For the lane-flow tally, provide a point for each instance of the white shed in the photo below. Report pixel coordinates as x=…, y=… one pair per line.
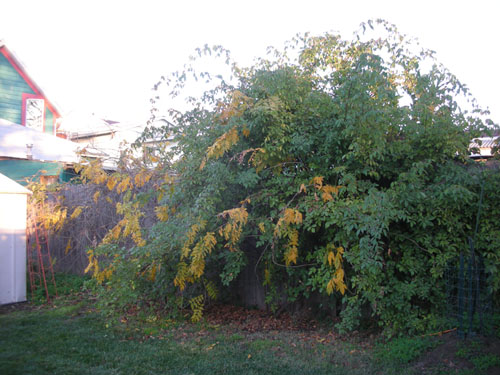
x=13, y=208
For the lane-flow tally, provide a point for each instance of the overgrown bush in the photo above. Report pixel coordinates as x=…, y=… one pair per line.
x=344, y=167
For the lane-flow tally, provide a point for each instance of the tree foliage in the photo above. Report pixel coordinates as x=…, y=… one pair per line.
x=343, y=163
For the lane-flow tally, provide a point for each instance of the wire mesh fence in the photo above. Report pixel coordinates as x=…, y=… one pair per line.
x=469, y=295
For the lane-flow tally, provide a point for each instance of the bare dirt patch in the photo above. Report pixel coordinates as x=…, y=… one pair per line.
x=258, y=320
x=12, y=307
x=455, y=356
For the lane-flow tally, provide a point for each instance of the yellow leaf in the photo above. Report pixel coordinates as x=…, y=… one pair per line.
x=339, y=274
x=196, y=304
x=211, y=290
x=141, y=178
x=292, y=216
x=338, y=260
x=160, y=196
x=294, y=238
x=237, y=218
x=88, y=268
x=116, y=231
x=246, y=201
x=302, y=188
x=152, y=273
x=92, y=263
x=327, y=192
x=209, y=241
x=111, y=183
x=221, y=145
x=138, y=180
x=291, y=256
x=330, y=287
x=277, y=228
x=342, y=288
x=318, y=182
x=76, y=213
x=331, y=258
x=68, y=246
x=162, y=213
x=262, y=227
x=96, y=196
x=124, y=185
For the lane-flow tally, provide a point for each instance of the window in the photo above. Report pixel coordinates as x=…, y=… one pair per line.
x=33, y=115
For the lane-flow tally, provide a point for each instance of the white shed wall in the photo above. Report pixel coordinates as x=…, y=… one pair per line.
x=12, y=247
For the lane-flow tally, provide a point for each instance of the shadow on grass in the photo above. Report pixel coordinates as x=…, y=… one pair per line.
x=65, y=340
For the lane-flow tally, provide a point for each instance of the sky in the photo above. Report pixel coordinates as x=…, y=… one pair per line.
x=105, y=56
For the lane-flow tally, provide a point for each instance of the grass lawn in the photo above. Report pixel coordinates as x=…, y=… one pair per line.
x=63, y=340
x=70, y=337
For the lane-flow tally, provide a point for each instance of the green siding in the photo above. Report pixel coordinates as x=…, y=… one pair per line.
x=12, y=87
x=67, y=175
x=8, y=101
x=49, y=121
x=23, y=170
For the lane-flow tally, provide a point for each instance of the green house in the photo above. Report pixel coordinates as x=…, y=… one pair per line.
x=22, y=101
x=29, y=147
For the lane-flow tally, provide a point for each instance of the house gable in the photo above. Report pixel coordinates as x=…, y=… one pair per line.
x=22, y=101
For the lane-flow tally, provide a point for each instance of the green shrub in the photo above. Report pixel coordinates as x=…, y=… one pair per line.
x=342, y=171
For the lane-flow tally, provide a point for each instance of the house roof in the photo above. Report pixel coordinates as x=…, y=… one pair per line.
x=484, y=145
x=15, y=140
x=21, y=69
x=77, y=125
x=484, y=142
x=8, y=186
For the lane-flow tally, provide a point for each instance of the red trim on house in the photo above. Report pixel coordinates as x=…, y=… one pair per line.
x=18, y=67
x=23, y=113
